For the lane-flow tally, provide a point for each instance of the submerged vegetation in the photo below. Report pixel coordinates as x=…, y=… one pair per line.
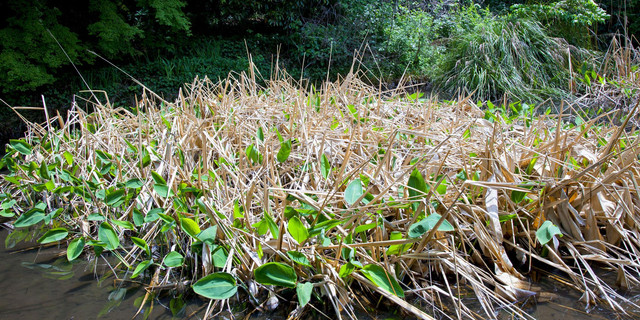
x=336, y=196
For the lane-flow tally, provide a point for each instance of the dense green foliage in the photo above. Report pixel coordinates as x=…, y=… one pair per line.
x=391, y=38
x=504, y=55
x=569, y=19
x=165, y=44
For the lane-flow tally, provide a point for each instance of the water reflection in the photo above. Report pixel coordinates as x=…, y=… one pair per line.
x=39, y=283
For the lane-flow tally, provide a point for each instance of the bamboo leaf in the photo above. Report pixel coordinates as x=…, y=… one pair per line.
x=134, y=183
x=417, y=186
x=29, y=218
x=158, y=178
x=115, y=198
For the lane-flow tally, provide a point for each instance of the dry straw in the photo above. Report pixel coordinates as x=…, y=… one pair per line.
x=492, y=183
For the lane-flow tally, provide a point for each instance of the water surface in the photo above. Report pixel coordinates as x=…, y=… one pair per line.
x=39, y=283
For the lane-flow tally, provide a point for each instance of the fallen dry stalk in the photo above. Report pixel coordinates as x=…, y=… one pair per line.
x=217, y=147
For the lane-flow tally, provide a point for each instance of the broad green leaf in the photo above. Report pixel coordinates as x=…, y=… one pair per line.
x=124, y=224
x=297, y=230
x=442, y=187
x=353, y=110
x=507, y=217
x=75, y=248
x=547, y=231
x=304, y=291
x=9, y=204
x=44, y=171
x=101, y=194
x=142, y=266
x=173, y=259
x=260, y=134
x=95, y=217
x=381, y=278
x=166, y=218
x=253, y=154
x=134, y=183
x=7, y=213
x=517, y=196
x=397, y=248
x=13, y=179
x=325, y=166
x=29, y=218
x=153, y=215
x=326, y=225
x=261, y=226
x=219, y=256
x=365, y=227
x=114, y=198
x=142, y=245
x=158, y=178
x=138, y=217
x=21, y=146
x=276, y=274
x=285, y=150
x=49, y=186
x=68, y=157
x=163, y=190
x=216, y=286
x=417, y=187
x=107, y=235
x=104, y=156
x=190, y=227
x=208, y=235
x=353, y=192
x=421, y=227
x=53, y=235
x=52, y=215
x=238, y=210
x=346, y=269
x=273, y=227
x=298, y=258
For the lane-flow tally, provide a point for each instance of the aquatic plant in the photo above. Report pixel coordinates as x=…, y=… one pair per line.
x=334, y=197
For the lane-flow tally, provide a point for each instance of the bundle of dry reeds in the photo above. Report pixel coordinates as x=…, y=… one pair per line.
x=360, y=193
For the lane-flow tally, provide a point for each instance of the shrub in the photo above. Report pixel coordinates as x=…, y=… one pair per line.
x=568, y=19
x=497, y=55
x=408, y=43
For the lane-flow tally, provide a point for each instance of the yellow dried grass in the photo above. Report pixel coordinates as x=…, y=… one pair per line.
x=587, y=188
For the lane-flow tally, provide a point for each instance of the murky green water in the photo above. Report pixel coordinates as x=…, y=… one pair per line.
x=41, y=284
